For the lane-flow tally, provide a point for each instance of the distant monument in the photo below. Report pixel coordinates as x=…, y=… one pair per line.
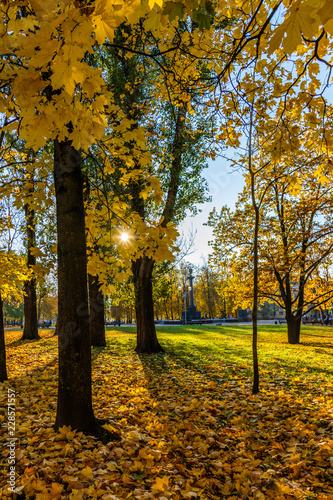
x=191, y=311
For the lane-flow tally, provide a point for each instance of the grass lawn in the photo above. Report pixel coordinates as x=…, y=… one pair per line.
x=190, y=427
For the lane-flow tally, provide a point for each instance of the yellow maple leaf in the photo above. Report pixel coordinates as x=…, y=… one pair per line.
x=104, y=28
x=75, y=495
x=227, y=488
x=67, y=75
x=36, y=128
x=152, y=3
x=325, y=14
x=329, y=26
x=87, y=472
x=300, y=19
x=55, y=491
x=26, y=88
x=64, y=430
x=110, y=428
x=161, y=483
x=41, y=7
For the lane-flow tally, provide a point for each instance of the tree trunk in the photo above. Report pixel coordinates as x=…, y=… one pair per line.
x=30, y=297
x=39, y=308
x=144, y=306
x=30, y=330
x=255, y=387
x=74, y=386
x=294, y=329
x=96, y=309
x=3, y=369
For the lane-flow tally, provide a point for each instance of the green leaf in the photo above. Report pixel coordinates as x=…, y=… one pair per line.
x=202, y=19
x=174, y=10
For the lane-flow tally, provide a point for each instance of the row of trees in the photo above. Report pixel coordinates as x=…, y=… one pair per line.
x=294, y=238
x=128, y=100
x=169, y=284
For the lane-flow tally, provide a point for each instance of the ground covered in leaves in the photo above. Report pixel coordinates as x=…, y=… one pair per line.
x=189, y=426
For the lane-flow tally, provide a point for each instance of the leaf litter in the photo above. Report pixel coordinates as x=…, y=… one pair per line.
x=189, y=426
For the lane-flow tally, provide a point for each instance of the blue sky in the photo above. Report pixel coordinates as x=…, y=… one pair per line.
x=224, y=183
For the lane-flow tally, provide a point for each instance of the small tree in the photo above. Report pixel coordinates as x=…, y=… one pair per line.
x=295, y=241
x=13, y=273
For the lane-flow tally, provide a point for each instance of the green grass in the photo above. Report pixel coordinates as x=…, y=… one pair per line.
x=310, y=362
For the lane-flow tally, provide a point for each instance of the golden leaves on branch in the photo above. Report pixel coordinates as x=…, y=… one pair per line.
x=303, y=19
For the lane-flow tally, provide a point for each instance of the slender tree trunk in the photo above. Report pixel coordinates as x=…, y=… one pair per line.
x=39, y=308
x=3, y=369
x=30, y=297
x=144, y=306
x=74, y=386
x=97, y=313
x=294, y=329
x=255, y=388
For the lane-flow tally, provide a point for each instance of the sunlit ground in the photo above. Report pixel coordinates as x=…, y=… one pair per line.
x=190, y=427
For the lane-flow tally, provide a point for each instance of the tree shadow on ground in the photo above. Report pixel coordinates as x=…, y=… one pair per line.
x=277, y=372
x=154, y=365
x=321, y=345
x=97, y=351
x=160, y=372
x=20, y=341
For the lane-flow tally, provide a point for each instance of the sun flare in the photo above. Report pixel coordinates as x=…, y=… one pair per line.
x=124, y=237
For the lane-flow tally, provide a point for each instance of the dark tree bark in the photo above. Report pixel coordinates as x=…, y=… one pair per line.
x=30, y=297
x=294, y=329
x=3, y=369
x=39, y=308
x=97, y=313
x=144, y=306
x=255, y=386
x=74, y=386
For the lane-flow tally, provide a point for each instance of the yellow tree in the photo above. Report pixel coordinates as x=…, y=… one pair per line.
x=58, y=96
x=152, y=167
x=13, y=274
x=295, y=240
x=208, y=300
x=46, y=78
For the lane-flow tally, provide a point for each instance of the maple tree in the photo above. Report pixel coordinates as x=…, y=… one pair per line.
x=74, y=393
x=47, y=80
x=304, y=228
x=24, y=183
x=295, y=243
x=151, y=182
